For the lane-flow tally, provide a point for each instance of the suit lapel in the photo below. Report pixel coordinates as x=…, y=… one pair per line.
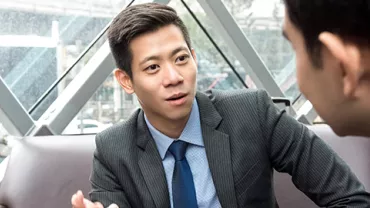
x=151, y=166
x=217, y=146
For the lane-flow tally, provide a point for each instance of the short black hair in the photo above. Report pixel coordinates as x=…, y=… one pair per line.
x=138, y=20
x=350, y=19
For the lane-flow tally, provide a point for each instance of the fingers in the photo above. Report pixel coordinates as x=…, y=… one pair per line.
x=77, y=200
x=113, y=206
x=98, y=205
x=89, y=204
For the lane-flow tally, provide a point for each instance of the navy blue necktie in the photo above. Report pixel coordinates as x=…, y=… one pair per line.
x=183, y=189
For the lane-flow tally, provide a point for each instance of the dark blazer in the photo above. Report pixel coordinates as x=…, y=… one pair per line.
x=245, y=138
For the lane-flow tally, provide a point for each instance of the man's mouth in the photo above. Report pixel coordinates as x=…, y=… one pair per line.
x=176, y=96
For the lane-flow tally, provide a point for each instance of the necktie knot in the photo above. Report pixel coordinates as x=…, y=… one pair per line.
x=178, y=149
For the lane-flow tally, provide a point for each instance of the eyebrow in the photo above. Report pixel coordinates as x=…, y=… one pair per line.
x=285, y=35
x=149, y=58
x=174, y=52
x=178, y=49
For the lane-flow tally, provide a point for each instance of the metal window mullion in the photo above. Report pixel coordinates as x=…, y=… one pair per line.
x=240, y=46
x=13, y=116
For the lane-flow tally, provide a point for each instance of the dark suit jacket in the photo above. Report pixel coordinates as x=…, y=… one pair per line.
x=245, y=138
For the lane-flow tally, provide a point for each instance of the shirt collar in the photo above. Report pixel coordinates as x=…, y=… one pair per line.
x=192, y=132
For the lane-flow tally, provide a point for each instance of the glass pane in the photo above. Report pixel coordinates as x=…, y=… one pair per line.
x=4, y=148
x=109, y=105
x=50, y=98
x=319, y=120
x=213, y=70
x=261, y=22
x=207, y=23
x=299, y=101
x=39, y=40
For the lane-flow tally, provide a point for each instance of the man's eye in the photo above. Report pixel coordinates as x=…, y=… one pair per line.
x=152, y=67
x=182, y=58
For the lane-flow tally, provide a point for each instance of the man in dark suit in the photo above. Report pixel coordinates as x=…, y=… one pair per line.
x=191, y=149
x=331, y=40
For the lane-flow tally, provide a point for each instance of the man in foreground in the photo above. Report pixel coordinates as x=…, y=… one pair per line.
x=331, y=40
x=191, y=149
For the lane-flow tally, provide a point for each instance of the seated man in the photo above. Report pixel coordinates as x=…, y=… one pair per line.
x=331, y=40
x=191, y=149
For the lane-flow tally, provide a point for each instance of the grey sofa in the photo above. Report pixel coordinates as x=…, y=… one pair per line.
x=44, y=172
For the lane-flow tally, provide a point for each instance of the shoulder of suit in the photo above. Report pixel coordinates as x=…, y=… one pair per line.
x=217, y=96
x=120, y=130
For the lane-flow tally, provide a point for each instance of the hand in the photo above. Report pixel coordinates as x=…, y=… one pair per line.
x=78, y=201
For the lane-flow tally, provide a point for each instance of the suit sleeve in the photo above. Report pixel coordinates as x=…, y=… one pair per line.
x=315, y=168
x=105, y=187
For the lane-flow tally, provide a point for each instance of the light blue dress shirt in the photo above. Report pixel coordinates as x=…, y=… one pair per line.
x=195, y=155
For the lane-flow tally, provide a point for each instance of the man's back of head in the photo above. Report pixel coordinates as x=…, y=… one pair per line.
x=331, y=39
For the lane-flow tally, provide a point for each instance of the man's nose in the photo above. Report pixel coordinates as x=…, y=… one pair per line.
x=172, y=76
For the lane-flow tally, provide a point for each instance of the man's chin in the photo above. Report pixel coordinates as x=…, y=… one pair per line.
x=179, y=114
x=339, y=132
x=343, y=130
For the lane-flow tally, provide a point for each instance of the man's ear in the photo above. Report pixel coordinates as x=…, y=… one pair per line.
x=124, y=80
x=348, y=56
x=194, y=56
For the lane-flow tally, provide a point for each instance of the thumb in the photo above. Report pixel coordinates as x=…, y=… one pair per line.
x=77, y=200
x=80, y=196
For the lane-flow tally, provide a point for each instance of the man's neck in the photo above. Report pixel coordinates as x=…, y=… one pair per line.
x=170, y=128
